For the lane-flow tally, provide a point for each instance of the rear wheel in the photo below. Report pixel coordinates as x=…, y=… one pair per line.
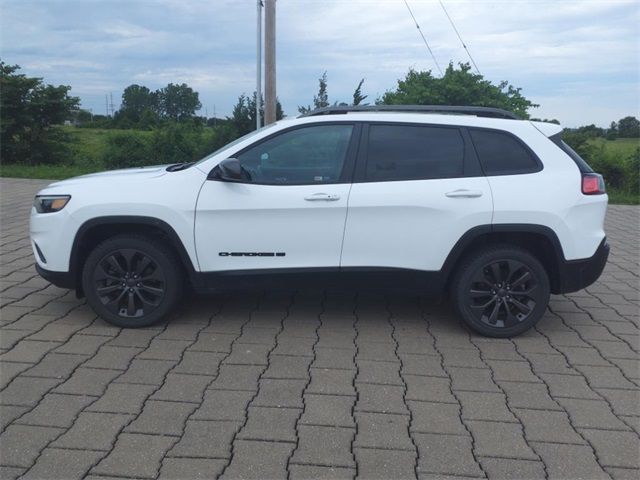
x=501, y=291
x=131, y=280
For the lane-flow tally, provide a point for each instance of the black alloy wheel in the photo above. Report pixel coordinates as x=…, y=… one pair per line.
x=129, y=283
x=500, y=291
x=132, y=280
x=503, y=293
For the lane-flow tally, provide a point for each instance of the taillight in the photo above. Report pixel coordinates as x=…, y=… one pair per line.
x=592, y=184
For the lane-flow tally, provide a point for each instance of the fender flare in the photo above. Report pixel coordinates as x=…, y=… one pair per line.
x=137, y=220
x=471, y=235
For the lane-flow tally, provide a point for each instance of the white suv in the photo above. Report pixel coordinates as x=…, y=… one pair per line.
x=497, y=211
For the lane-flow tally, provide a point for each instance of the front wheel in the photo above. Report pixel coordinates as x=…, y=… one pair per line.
x=500, y=291
x=131, y=280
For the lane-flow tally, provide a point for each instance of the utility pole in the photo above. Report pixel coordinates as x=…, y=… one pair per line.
x=259, y=65
x=269, y=61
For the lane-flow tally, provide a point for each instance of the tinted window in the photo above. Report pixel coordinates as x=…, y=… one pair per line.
x=398, y=152
x=501, y=154
x=314, y=154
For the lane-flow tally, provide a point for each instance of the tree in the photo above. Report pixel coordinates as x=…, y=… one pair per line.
x=612, y=132
x=321, y=99
x=143, y=108
x=178, y=102
x=149, y=119
x=591, y=131
x=29, y=110
x=629, y=127
x=243, y=116
x=458, y=86
x=358, y=97
x=136, y=99
x=251, y=104
x=82, y=116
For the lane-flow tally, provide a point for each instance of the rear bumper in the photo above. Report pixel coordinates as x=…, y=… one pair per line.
x=59, y=279
x=575, y=275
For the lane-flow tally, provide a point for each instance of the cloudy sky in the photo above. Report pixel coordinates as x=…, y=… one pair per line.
x=580, y=60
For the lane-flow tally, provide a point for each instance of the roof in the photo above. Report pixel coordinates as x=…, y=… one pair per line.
x=487, y=112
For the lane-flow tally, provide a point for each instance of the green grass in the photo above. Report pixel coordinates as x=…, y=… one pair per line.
x=623, y=198
x=48, y=172
x=616, y=152
x=621, y=146
x=88, y=145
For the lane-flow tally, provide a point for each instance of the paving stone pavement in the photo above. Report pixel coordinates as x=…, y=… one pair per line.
x=316, y=384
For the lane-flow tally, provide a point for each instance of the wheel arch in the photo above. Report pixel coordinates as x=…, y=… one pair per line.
x=541, y=241
x=98, y=229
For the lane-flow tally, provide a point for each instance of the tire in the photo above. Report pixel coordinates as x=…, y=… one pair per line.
x=132, y=281
x=500, y=291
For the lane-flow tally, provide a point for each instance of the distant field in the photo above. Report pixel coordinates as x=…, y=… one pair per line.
x=89, y=143
x=621, y=146
x=88, y=147
x=615, y=151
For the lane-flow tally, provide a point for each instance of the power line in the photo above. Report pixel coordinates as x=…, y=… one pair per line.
x=459, y=37
x=423, y=37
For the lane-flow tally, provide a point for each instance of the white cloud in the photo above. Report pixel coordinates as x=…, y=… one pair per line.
x=578, y=58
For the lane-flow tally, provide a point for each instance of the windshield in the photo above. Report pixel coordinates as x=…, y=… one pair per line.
x=235, y=142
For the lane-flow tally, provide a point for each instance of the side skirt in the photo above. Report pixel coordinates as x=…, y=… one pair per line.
x=387, y=279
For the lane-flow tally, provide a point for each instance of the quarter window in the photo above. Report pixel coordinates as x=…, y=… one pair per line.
x=502, y=154
x=400, y=152
x=308, y=155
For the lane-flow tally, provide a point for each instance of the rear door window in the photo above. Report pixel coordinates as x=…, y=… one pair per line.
x=501, y=153
x=401, y=152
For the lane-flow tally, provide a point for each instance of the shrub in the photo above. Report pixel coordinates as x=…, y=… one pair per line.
x=173, y=143
x=632, y=167
x=219, y=137
x=127, y=149
x=177, y=143
x=620, y=173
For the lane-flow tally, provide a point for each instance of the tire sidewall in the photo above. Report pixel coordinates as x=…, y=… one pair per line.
x=159, y=254
x=463, y=282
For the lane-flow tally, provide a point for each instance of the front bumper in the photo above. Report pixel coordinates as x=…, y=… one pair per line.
x=575, y=275
x=59, y=279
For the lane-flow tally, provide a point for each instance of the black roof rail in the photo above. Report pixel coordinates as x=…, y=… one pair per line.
x=456, y=110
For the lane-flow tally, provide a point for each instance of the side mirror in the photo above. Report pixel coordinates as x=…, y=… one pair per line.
x=228, y=170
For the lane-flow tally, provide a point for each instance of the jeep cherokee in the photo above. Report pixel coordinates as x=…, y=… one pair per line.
x=496, y=211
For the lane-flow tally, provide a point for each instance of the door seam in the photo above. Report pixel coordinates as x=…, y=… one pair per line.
x=344, y=228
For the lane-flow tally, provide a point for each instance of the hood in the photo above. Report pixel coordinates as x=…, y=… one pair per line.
x=115, y=176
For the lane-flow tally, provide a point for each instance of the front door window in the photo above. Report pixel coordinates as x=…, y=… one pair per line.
x=303, y=156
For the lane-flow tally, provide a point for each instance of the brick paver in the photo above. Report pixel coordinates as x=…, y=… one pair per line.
x=316, y=384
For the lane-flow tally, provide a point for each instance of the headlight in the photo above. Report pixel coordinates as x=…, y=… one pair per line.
x=50, y=203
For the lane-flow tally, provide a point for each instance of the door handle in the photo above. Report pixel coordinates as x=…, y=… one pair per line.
x=464, y=193
x=322, y=197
